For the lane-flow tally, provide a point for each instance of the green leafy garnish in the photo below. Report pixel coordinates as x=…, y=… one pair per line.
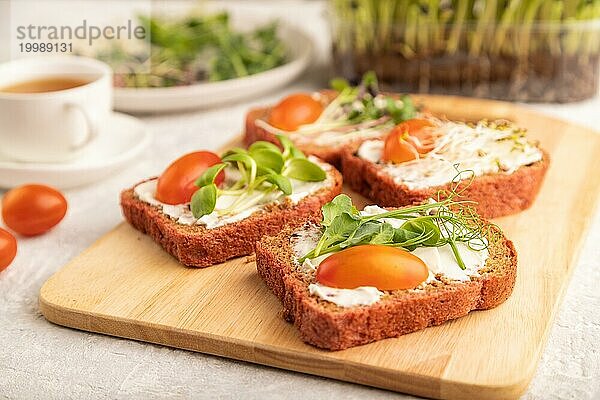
x=434, y=224
x=209, y=175
x=304, y=170
x=192, y=49
x=340, y=204
x=281, y=182
x=264, y=169
x=367, y=103
x=204, y=200
x=268, y=158
x=361, y=108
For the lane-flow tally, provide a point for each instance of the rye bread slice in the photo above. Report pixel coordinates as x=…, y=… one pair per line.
x=197, y=246
x=496, y=194
x=330, y=154
x=328, y=326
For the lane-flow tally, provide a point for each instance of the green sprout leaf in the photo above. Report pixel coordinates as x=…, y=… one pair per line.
x=339, y=84
x=402, y=235
x=289, y=150
x=204, y=200
x=304, y=170
x=369, y=80
x=340, y=204
x=261, y=144
x=371, y=232
x=268, y=158
x=384, y=235
x=239, y=157
x=424, y=228
x=233, y=150
x=260, y=171
x=246, y=160
x=295, y=153
x=209, y=175
x=281, y=182
x=343, y=227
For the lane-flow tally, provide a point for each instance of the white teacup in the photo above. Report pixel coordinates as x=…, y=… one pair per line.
x=52, y=125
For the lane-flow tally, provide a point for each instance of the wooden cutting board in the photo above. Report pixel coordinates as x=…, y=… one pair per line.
x=125, y=285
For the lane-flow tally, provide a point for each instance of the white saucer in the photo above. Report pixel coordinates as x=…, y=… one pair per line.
x=120, y=140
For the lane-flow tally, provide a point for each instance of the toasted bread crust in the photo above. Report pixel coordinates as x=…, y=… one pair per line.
x=327, y=326
x=196, y=246
x=496, y=194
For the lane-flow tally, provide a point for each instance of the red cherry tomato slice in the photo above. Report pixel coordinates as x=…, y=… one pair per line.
x=8, y=249
x=176, y=184
x=295, y=110
x=33, y=209
x=384, y=267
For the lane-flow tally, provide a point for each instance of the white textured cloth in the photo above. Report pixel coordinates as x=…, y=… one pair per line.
x=45, y=361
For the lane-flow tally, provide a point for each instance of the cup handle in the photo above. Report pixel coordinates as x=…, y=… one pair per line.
x=91, y=129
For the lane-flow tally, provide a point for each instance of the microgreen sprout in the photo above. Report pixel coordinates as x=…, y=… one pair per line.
x=264, y=169
x=445, y=220
x=363, y=107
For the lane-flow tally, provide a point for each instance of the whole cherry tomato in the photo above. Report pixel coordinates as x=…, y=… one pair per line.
x=384, y=267
x=176, y=184
x=33, y=209
x=295, y=110
x=8, y=249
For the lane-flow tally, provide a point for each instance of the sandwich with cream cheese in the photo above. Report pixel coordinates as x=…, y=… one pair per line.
x=361, y=276
x=422, y=156
x=325, y=122
x=205, y=209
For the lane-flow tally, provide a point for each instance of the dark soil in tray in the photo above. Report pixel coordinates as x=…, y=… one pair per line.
x=539, y=77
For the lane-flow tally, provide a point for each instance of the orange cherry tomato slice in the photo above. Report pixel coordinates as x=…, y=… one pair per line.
x=33, y=209
x=408, y=140
x=420, y=134
x=416, y=124
x=295, y=110
x=8, y=249
x=176, y=184
x=397, y=148
x=384, y=267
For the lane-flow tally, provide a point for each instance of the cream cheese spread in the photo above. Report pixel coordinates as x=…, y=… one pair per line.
x=439, y=260
x=361, y=296
x=182, y=214
x=484, y=149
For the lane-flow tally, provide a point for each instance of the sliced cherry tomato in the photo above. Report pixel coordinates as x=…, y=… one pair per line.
x=295, y=110
x=33, y=209
x=420, y=134
x=8, y=249
x=416, y=124
x=384, y=267
x=397, y=147
x=176, y=184
x=408, y=140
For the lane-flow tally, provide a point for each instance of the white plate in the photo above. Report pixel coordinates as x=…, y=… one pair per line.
x=121, y=139
x=209, y=94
